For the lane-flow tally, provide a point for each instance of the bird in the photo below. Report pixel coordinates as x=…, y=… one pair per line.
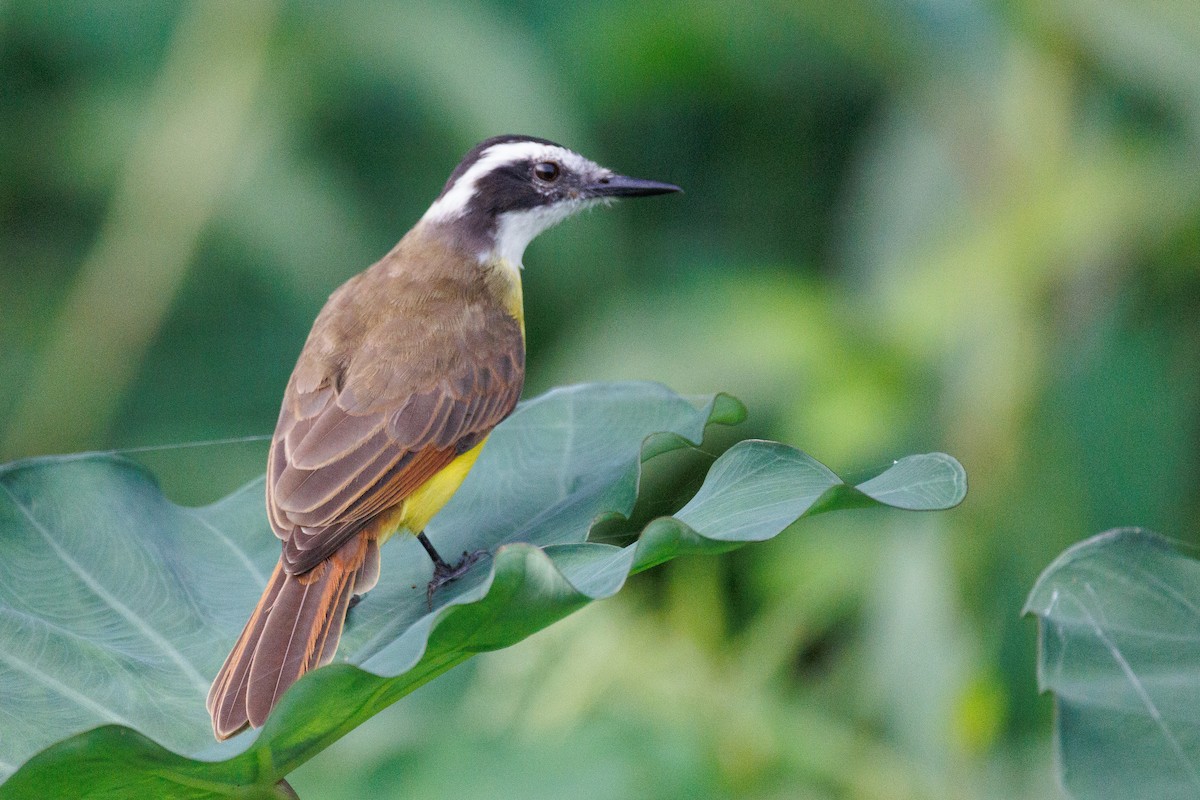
x=407, y=369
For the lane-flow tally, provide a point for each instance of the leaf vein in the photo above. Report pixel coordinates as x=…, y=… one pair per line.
x=113, y=602
x=237, y=551
x=107, y=714
x=1138, y=688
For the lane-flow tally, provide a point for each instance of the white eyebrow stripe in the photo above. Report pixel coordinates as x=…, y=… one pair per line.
x=454, y=202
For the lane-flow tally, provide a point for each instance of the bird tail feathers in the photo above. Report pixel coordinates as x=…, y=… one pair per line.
x=294, y=628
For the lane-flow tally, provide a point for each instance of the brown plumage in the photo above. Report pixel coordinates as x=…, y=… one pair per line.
x=409, y=365
x=407, y=369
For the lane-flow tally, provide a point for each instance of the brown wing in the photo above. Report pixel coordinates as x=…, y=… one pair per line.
x=379, y=402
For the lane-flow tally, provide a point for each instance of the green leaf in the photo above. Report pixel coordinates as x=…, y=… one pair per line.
x=117, y=606
x=1119, y=646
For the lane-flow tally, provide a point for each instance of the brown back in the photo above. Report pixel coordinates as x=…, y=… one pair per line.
x=409, y=364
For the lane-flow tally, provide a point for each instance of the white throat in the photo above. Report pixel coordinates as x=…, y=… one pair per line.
x=516, y=229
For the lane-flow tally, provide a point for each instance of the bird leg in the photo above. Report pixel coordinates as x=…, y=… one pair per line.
x=443, y=572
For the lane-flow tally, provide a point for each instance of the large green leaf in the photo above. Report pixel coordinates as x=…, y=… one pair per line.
x=117, y=606
x=1119, y=636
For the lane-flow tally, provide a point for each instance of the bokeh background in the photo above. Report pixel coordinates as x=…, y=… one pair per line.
x=908, y=225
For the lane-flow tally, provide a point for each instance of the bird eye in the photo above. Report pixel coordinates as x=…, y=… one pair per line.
x=546, y=171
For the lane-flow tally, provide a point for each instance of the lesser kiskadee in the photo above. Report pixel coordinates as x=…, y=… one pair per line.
x=407, y=369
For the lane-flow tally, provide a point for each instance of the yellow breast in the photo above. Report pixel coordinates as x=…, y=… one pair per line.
x=419, y=507
x=509, y=289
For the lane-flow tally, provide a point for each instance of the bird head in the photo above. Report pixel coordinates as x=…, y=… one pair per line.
x=508, y=189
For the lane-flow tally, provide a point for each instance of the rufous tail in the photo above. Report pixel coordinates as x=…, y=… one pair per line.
x=294, y=628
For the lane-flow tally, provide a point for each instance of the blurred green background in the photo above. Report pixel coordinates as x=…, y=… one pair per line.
x=908, y=225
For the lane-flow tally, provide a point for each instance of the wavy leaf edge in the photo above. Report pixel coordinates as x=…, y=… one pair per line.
x=510, y=561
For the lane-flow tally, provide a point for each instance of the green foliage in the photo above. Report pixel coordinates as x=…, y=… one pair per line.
x=908, y=225
x=121, y=604
x=1117, y=619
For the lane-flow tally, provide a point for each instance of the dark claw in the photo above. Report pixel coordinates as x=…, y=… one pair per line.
x=443, y=573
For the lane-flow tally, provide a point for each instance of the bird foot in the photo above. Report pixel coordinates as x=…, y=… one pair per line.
x=444, y=573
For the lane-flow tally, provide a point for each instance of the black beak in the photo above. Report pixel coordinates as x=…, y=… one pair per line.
x=621, y=186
